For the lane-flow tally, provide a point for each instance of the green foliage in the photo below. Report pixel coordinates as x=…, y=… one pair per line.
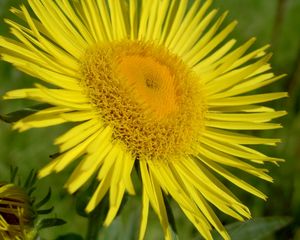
x=50, y=222
x=17, y=115
x=44, y=200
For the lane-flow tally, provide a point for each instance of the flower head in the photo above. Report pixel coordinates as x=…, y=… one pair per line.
x=20, y=213
x=16, y=213
x=155, y=84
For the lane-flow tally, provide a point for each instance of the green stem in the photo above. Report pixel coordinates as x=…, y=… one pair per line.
x=95, y=221
x=278, y=21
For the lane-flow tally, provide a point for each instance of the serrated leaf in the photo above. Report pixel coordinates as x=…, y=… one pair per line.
x=255, y=229
x=51, y=222
x=18, y=115
x=70, y=236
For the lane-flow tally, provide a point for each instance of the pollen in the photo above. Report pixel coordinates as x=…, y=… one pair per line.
x=153, y=101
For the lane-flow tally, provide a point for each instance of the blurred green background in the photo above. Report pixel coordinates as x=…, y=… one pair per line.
x=271, y=21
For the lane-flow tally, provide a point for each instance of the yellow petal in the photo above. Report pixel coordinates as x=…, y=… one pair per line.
x=144, y=215
x=245, y=100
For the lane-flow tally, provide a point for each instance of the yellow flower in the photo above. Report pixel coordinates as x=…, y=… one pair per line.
x=16, y=214
x=155, y=84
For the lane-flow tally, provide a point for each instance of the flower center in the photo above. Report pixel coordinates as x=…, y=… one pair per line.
x=151, y=83
x=154, y=103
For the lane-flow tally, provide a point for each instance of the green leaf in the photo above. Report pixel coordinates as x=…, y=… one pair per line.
x=255, y=229
x=51, y=222
x=31, y=179
x=17, y=115
x=31, y=190
x=13, y=173
x=45, y=211
x=44, y=200
x=70, y=236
